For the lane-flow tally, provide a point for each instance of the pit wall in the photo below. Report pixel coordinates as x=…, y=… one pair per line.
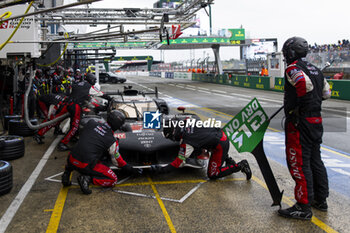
x=340, y=88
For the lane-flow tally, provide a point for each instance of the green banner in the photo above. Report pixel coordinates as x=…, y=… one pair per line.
x=248, y=127
x=111, y=44
x=279, y=84
x=202, y=40
x=256, y=82
x=237, y=34
x=340, y=89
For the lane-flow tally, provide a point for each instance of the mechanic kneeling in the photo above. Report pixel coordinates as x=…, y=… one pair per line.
x=96, y=139
x=212, y=139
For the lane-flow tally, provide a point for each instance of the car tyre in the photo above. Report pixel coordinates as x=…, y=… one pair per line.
x=12, y=147
x=20, y=127
x=6, y=177
x=7, y=118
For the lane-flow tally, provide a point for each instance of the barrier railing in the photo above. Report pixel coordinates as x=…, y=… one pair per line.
x=340, y=88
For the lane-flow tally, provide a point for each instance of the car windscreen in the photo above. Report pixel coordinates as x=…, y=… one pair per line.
x=135, y=109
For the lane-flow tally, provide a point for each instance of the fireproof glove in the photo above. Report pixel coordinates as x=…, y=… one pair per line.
x=156, y=169
x=107, y=97
x=132, y=170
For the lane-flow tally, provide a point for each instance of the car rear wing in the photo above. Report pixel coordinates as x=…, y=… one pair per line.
x=128, y=91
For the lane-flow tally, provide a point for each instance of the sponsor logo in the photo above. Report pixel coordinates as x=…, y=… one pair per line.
x=120, y=135
x=151, y=120
x=191, y=122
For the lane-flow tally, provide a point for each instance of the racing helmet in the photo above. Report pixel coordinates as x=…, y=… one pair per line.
x=70, y=71
x=171, y=132
x=115, y=119
x=38, y=73
x=91, y=78
x=294, y=48
x=59, y=70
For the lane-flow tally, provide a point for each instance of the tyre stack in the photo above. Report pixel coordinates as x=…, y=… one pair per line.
x=7, y=118
x=11, y=147
x=6, y=177
x=20, y=127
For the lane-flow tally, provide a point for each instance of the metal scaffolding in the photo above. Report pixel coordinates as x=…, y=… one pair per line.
x=122, y=24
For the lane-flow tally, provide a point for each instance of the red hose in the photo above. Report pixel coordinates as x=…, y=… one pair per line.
x=11, y=105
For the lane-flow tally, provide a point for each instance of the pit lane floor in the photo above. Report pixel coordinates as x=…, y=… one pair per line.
x=183, y=201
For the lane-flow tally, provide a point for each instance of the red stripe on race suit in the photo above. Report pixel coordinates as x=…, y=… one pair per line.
x=108, y=173
x=74, y=124
x=224, y=137
x=182, y=153
x=300, y=82
x=121, y=162
x=215, y=161
x=314, y=120
x=76, y=162
x=300, y=87
x=177, y=162
x=295, y=162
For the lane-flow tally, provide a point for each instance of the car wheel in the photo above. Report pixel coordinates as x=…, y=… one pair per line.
x=20, y=127
x=12, y=147
x=6, y=177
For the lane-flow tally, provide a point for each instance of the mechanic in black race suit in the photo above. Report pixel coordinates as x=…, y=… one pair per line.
x=96, y=139
x=192, y=139
x=81, y=93
x=305, y=88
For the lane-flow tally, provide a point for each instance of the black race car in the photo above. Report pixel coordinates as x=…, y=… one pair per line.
x=139, y=146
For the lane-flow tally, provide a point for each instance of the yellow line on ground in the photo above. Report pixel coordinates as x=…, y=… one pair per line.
x=176, y=182
x=48, y=210
x=335, y=152
x=202, y=117
x=218, y=112
x=57, y=211
x=289, y=202
x=161, y=204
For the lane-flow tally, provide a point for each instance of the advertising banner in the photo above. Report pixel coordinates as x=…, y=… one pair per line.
x=27, y=31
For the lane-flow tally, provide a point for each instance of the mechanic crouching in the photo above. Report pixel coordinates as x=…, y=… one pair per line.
x=192, y=139
x=95, y=140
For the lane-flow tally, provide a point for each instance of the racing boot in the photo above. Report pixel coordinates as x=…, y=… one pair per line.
x=84, y=182
x=62, y=147
x=245, y=168
x=58, y=131
x=66, y=178
x=297, y=211
x=38, y=139
x=320, y=205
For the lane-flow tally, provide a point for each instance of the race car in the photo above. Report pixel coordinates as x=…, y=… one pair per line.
x=140, y=146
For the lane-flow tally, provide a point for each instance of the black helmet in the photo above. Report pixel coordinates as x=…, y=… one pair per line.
x=91, y=78
x=171, y=132
x=115, y=119
x=294, y=48
x=38, y=73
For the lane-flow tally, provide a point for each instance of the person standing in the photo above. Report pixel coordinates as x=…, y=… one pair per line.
x=305, y=88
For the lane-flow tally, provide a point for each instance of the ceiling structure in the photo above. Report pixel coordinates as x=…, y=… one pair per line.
x=115, y=28
x=119, y=25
